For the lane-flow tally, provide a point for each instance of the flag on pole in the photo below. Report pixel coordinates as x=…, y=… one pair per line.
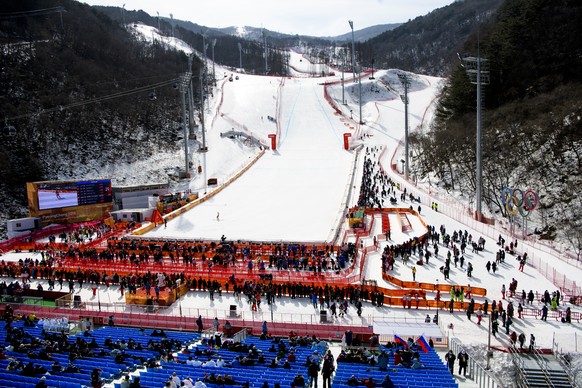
x=423, y=344
x=400, y=340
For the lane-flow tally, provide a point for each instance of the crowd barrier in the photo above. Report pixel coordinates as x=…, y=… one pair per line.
x=135, y=316
x=202, y=199
x=261, y=249
x=558, y=315
x=465, y=215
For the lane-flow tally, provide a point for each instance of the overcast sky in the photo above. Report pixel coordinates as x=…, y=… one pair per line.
x=303, y=17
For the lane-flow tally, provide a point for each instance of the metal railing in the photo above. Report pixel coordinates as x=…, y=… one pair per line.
x=566, y=364
x=478, y=373
x=34, y=300
x=542, y=363
x=243, y=312
x=520, y=379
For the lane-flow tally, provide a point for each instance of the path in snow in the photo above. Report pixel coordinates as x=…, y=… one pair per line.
x=294, y=193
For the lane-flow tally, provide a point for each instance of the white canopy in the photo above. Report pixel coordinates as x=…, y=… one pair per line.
x=408, y=329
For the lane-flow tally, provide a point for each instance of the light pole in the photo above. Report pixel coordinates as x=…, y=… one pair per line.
x=266, y=52
x=204, y=47
x=240, y=56
x=353, y=50
x=354, y=70
x=204, y=148
x=343, y=89
x=213, y=67
x=183, y=88
x=477, y=70
x=489, y=354
x=406, y=83
x=123, y=14
x=191, y=97
x=360, y=96
x=172, y=23
x=159, y=22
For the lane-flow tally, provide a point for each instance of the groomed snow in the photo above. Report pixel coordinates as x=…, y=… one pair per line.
x=298, y=193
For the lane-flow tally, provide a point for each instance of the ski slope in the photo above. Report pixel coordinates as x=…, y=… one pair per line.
x=294, y=193
x=297, y=192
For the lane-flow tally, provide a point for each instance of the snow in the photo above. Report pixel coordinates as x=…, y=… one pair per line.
x=297, y=192
x=300, y=191
x=151, y=34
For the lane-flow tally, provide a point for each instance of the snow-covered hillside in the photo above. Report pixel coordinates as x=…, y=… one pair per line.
x=299, y=191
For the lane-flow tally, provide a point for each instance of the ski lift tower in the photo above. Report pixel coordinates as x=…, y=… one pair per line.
x=405, y=80
x=353, y=50
x=361, y=122
x=184, y=85
x=240, y=56
x=477, y=69
x=266, y=52
x=213, y=63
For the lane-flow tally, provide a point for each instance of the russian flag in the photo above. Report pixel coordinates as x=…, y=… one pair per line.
x=400, y=340
x=423, y=344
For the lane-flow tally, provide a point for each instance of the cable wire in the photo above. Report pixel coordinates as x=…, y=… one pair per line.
x=124, y=93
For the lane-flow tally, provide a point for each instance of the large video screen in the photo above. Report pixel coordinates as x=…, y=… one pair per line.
x=54, y=195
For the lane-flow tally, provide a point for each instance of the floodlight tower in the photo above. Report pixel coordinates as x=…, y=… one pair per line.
x=172, y=23
x=202, y=122
x=266, y=52
x=343, y=68
x=360, y=96
x=213, y=67
x=183, y=88
x=406, y=83
x=191, y=97
x=240, y=56
x=478, y=71
x=353, y=50
x=354, y=70
x=204, y=47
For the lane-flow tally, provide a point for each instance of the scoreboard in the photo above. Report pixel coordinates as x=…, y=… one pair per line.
x=69, y=201
x=92, y=192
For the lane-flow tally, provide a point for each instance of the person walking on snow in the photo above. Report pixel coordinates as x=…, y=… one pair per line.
x=532, y=342
x=479, y=315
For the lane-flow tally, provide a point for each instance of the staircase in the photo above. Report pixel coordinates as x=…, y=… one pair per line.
x=385, y=222
x=540, y=370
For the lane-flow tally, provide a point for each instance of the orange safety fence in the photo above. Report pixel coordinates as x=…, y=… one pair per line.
x=220, y=273
x=198, y=201
x=406, y=225
x=263, y=248
x=478, y=291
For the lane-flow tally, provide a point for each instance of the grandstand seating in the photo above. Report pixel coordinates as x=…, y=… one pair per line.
x=433, y=374
x=255, y=375
x=87, y=364
x=153, y=377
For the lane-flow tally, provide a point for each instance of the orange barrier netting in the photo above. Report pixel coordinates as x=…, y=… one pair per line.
x=260, y=250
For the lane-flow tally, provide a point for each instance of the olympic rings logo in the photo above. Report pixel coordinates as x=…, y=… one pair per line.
x=517, y=201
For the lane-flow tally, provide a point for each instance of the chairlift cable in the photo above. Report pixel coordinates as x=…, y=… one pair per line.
x=35, y=12
x=96, y=100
